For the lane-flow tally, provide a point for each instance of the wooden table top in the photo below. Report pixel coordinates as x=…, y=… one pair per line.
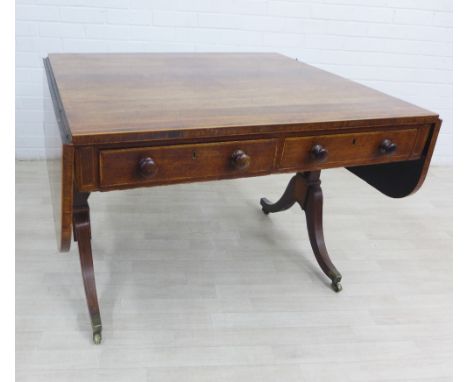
x=125, y=97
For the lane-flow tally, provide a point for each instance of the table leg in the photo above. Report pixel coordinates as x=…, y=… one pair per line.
x=286, y=201
x=304, y=188
x=82, y=231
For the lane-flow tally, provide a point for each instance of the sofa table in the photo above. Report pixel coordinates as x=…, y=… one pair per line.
x=119, y=121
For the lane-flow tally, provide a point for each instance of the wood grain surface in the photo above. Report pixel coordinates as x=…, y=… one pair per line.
x=121, y=97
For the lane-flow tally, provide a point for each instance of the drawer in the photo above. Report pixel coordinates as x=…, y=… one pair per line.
x=183, y=163
x=324, y=151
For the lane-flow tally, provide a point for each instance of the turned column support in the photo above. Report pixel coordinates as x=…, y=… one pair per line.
x=304, y=188
x=82, y=235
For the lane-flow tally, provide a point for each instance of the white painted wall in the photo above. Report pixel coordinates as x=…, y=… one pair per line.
x=402, y=47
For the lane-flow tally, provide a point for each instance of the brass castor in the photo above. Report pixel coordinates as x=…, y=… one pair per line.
x=336, y=285
x=97, y=338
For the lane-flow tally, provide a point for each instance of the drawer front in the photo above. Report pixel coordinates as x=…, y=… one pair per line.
x=172, y=164
x=325, y=151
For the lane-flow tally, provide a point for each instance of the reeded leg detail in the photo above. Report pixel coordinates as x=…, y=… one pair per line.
x=304, y=188
x=82, y=231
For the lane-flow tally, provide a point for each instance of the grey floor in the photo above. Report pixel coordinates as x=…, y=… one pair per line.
x=196, y=284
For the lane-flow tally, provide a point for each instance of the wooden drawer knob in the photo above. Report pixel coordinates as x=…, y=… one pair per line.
x=319, y=153
x=147, y=167
x=240, y=160
x=387, y=147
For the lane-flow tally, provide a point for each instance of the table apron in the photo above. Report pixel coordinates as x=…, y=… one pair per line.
x=105, y=168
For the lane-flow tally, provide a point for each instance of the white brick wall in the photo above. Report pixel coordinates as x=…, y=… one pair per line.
x=402, y=47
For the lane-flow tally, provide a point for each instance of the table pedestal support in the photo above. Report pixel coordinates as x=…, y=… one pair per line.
x=304, y=188
x=82, y=234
